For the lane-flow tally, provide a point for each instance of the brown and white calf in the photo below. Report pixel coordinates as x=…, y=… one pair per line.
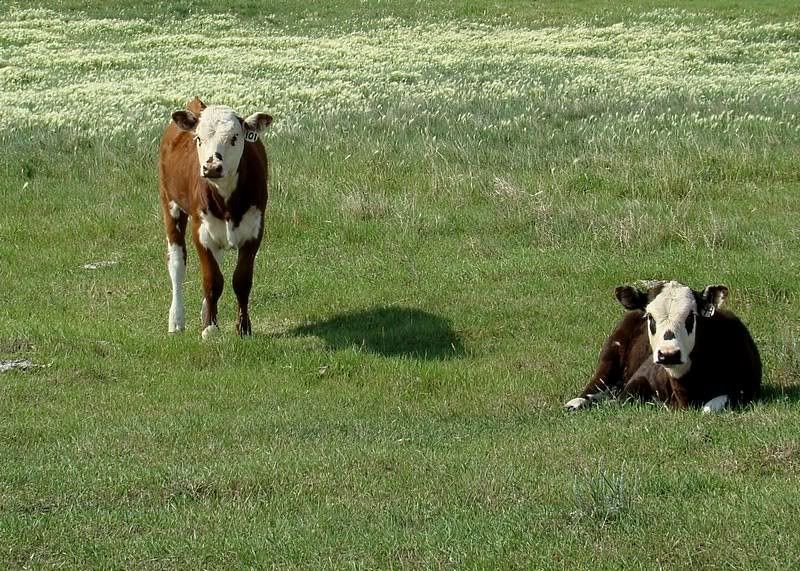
x=212, y=168
x=676, y=346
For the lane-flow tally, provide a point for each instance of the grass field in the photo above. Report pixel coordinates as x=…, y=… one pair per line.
x=456, y=188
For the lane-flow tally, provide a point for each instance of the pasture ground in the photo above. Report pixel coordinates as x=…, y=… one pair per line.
x=456, y=190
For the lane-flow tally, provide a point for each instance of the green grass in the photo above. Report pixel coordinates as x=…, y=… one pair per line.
x=288, y=12
x=456, y=189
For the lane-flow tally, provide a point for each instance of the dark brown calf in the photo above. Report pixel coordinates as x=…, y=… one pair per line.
x=213, y=169
x=677, y=347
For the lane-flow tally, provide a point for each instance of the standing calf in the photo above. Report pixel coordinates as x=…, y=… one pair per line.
x=676, y=346
x=213, y=168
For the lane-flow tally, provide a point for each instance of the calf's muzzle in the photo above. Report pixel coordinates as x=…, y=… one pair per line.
x=212, y=170
x=669, y=357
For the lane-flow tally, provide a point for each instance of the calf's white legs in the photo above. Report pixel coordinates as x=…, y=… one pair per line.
x=716, y=404
x=576, y=403
x=177, y=271
x=582, y=402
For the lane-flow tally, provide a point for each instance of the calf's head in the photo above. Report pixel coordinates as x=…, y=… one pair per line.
x=220, y=135
x=673, y=312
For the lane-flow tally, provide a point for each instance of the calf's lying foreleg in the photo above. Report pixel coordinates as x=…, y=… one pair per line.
x=607, y=377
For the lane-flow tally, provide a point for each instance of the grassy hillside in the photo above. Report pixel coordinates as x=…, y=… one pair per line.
x=289, y=12
x=455, y=191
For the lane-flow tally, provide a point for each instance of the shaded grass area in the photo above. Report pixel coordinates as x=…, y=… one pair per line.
x=388, y=331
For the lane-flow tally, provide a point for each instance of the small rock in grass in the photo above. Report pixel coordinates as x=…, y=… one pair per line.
x=19, y=364
x=100, y=264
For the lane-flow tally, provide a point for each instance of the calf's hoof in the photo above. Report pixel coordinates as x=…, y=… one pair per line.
x=176, y=320
x=209, y=332
x=576, y=404
x=243, y=327
x=716, y=404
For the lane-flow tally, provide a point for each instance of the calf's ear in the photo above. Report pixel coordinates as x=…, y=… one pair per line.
x=257, y=122
x=630, y=297
x=712, y=297
x=185, y=120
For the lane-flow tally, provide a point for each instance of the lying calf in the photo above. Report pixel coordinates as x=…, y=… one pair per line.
x=676, y=346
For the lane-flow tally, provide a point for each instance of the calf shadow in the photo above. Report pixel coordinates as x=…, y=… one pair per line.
x=778, y=393
x=390, y=332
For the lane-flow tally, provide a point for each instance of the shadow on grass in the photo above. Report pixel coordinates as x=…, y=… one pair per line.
x=780, y=393
x=389, y=331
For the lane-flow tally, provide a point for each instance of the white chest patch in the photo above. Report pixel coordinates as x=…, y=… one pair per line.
x=216, y=234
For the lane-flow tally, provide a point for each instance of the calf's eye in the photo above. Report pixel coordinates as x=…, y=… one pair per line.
x=690, y=323
x=651, y=323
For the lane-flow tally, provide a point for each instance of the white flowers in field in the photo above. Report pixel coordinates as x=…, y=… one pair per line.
x=127, y=75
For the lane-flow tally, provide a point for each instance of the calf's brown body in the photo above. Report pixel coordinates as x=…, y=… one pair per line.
x=186, y=194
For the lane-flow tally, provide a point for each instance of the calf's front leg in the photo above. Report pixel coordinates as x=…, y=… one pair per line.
x=175, y=225
x=242, y=284
x=213, y=283
x=176, y=264
x=607, y=376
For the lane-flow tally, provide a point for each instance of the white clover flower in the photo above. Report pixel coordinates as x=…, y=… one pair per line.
x=94, y=70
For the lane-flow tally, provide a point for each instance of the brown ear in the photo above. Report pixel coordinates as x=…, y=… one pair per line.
x=195, y=105
x=185, y=120
x=711, y=299
x=630, y=297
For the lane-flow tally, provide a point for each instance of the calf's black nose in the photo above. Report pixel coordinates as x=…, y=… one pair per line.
x=212, y=171
x=668, y=358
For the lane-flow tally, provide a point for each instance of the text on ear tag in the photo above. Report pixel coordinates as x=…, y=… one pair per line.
x=251, y=136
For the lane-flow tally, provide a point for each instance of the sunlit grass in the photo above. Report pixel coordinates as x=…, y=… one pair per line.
x=662, y=72
x=455, y=191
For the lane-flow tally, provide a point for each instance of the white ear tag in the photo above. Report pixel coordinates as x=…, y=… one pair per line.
x=251, y=136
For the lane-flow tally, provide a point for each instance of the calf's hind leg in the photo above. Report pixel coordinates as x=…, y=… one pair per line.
x=716, y=404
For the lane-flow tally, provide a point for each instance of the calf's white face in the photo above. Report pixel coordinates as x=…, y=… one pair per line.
x=671, y=319
x=220, y=135
x=672, y=312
